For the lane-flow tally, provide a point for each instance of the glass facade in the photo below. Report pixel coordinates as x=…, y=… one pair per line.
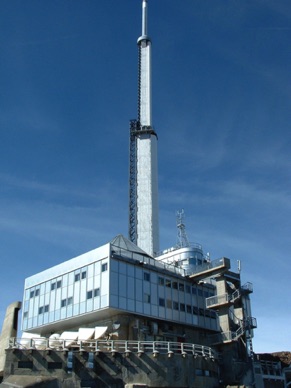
x=116, y=283
x=71, y=294
x=143, y=290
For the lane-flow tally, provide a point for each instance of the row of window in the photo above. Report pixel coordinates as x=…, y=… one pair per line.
x=93, y=293
x=66, y=302
x=181, y=287
x=80, y=275
x=185, y=307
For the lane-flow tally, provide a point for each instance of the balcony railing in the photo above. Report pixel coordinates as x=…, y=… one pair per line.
x=217, y=300
x=223, y=299
x=119, y=346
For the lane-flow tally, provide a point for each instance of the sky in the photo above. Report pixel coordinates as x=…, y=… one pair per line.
x=222, y=112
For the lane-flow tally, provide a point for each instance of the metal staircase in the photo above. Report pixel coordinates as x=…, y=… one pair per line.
x=241, y=326
x=216, y=301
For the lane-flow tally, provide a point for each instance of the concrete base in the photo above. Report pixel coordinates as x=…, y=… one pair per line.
x=30, y=381
x=9, y=330
x=62, y=369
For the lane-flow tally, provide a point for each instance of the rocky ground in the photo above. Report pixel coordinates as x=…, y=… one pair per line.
x=284, y=357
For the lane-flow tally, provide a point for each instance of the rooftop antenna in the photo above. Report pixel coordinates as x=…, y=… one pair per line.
x=182, y=235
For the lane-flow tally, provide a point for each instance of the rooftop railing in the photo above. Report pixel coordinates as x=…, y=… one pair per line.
x=119, y=346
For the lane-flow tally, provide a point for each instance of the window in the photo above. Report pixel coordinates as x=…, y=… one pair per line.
x=195, y=310
x=175, y=285
x=25, y=364
x=168, y=283
x=161, y=281
x=83, y=275
x=77, y=277
x=25, y=314
x=162, y=302
x=169, y=304
x=31, y=295
x=146, y=276
x=104, y=267
x=188, y=289
x=182, y=306
x=43, y=309
x=147, y=298
x=188, y=309
x=200, y=292
x=36, y=292
x=89, y=294
x=69, y=300
x=54, y=365
x=181, y=287
x=175, y=305
x=96, y=292
x=64, y=303
x=55, y=285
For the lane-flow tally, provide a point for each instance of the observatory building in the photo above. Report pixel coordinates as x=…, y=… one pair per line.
x=124, y=315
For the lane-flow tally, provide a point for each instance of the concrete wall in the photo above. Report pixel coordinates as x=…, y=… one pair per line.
x=9, y=330
x=58, y=369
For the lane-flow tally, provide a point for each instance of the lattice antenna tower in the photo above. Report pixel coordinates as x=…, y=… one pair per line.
x=182, y=235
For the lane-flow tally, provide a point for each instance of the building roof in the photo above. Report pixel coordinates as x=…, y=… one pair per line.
x=123, y=243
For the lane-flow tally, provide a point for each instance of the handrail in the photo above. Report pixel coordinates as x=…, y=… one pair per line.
x=112, y=346
x=208, y=265
x=216, y=300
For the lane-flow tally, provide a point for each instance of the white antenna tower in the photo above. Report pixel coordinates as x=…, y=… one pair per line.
x=182, y=236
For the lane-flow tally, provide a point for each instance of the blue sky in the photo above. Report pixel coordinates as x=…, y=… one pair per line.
x=221, y=108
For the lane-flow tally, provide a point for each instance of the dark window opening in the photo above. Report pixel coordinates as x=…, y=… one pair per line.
x=25, y=364
x=181, y=287
x=96, y=292
x=104, y=267
x=55, y=365
x=77, y=277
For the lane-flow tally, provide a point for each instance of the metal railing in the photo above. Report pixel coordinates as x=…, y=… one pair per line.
x=209, y=265
x=118, y=346
x=217, y=300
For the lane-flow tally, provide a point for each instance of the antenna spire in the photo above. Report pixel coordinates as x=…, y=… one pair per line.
x=144, y=18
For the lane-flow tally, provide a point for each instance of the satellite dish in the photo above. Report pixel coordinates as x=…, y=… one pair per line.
x=115, y=325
